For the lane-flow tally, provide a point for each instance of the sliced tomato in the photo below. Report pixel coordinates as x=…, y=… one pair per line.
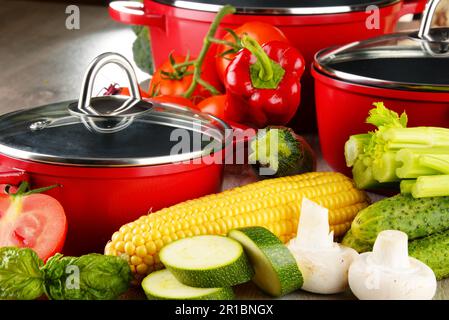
x=35, y=221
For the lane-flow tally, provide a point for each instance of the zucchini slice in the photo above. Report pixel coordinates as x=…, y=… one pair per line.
x=207, y=261
x=276, y=270
x=162, y=285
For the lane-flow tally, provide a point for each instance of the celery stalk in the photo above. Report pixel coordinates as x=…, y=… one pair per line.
x=407, y=186
x=363, y=175
x=355, y=146
x=384, y=168
x=431, y=186
x=416, y=137
x=411, y=167
x=438, y=163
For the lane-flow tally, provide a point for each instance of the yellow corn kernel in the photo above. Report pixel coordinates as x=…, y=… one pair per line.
x=135, y=260
x=141, y=251
x=129, y=248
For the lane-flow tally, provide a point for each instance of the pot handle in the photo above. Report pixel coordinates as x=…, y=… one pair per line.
x=412, y=7
x=133, y=12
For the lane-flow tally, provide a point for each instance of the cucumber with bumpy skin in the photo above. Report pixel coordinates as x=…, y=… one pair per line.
x=162, y=285
x=207, y=261
x=433, y=251
x=416, y=217
x=276, y=270
x=358, y=245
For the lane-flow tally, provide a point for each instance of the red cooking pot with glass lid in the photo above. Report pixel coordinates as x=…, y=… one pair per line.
x=115, y=157
x=407, y=71
x=310, y=25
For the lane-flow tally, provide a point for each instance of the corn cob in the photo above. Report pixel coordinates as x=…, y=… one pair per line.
x=273, y=203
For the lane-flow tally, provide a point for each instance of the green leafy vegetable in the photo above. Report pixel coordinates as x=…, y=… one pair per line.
x=393, y=152
x=89, y=277
x=20, y=274
x=142, y=50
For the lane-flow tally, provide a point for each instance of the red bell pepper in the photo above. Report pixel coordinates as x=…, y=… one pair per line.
x=263, y=83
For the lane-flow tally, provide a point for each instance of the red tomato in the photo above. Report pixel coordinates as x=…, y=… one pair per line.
x=125, y=92
x=260, y=31
x=174, y=99
x=215, y=105
x=35, y=221
x=162, y=85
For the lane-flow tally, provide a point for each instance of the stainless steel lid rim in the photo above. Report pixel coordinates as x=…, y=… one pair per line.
x=199, y=6
x=382, y=84
x=416, y=61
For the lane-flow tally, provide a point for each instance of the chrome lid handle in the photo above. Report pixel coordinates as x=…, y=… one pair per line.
x=426, y=23
x=84, y=102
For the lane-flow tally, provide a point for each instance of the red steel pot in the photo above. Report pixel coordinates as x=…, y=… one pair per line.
x=408, y=72
x=115, y=157
x=311, y=26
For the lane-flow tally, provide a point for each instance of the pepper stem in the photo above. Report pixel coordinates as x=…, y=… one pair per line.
x=225, y=10
x=266, y=70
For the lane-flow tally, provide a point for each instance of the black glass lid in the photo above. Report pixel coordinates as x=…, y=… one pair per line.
x=411, y=61
x=165, y=134
x=111, y=130
x=280, y=7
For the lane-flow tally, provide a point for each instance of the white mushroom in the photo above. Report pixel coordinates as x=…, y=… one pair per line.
x=389, y=273
x=324, y=264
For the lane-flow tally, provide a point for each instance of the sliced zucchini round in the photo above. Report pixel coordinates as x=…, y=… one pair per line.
x=162, y=285
x=276, y=270
x=207, y=261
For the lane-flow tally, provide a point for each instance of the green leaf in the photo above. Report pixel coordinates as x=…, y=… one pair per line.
x=90, y=277
x=142, y=51
x=257, y=82
x=20, y=274
x=380, y=116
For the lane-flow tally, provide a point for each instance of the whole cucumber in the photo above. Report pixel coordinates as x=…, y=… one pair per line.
x=416, y=217
x=358, y=245
x=433, y=251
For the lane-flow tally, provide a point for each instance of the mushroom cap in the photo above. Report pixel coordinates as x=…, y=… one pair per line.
x=371, y=281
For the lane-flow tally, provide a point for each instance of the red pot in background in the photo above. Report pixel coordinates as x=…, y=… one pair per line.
x=408, y=72
x=181, y=26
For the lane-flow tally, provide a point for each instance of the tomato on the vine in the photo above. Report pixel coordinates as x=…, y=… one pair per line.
x=215, y=105
x=174, y=99
x=168, y=81
x=260, y=31
x=124, y=91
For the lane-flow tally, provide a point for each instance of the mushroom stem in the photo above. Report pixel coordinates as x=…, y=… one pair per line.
x=313, y=228
x=391, y=250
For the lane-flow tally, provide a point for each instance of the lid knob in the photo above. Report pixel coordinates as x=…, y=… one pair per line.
x=108, y=114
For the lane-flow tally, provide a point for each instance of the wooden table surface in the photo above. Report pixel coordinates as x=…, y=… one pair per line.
x=42, y=62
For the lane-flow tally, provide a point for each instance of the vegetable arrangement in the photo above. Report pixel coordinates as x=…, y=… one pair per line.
x=206, y=267
x=273, y=203
x=416, y=157
x=91, y=277
x=425, y=221
x=251, y=76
